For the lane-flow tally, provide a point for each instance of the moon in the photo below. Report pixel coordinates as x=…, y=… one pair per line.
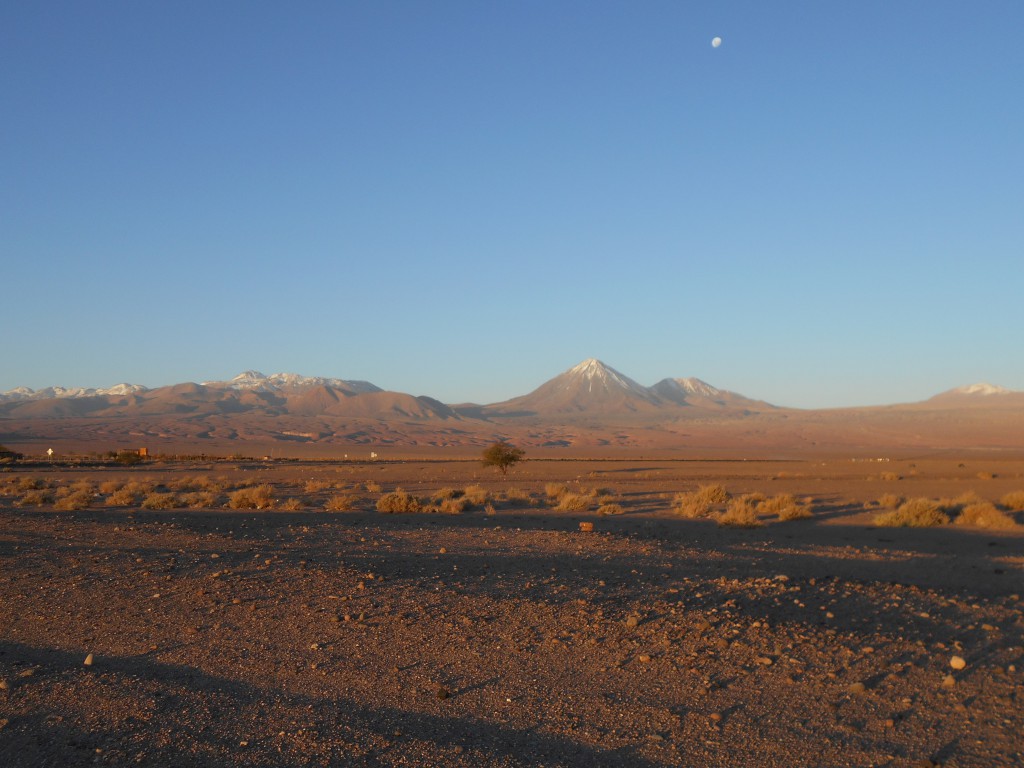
x=715, y=42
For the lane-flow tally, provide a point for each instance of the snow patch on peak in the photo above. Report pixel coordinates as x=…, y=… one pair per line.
x=258, y=382
x=593, y=370
x=694, y=386
x=983, y=389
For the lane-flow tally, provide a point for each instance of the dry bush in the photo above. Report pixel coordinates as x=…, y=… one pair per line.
x=913, y=513
x=317, y=486
x=79, y=499
x=890, y=500
x=340, y=502
x=160, y=501
x=454, y=506
x=477, y=495
x=1013, y=501
x=574, y=502
x=123, y=497
x=446, y=493
x=516, y=497
x=200, y=499
x=757, y=497
x=207, y=483
x=783, y=505
x=292, y=505
x=891, y=476
x=398, y=501
x=985, y=515
x=741, y=513
x=31, y=484
x=955, y=505
x=699, y=503
x=609, y=509
x=555, y=491
x=109, y=487
x=35, y=498
x=372, y=487
x=255, y=497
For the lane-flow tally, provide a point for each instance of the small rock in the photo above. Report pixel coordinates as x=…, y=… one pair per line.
x=857, y=687
x=586, y=527
x=443, y=551
x=949, y=681
x=88, y=660
x=645, y=658
x=957, y=662
x=4, y=685
x=764, y=661
x=443, y=693
x=632, y=621
x=715, y=717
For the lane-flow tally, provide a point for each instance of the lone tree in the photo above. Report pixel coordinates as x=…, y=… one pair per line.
x=502, y=455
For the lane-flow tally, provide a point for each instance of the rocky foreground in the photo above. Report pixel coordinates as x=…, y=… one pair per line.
x=267, y=639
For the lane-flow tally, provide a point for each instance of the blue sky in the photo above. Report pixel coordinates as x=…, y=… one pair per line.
x=463, y=199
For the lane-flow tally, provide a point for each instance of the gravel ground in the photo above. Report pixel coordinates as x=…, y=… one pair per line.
x=511, y=639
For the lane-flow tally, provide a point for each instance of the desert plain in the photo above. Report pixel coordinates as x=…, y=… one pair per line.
x=320, y=631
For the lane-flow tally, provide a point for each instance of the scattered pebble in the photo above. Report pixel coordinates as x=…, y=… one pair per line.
x=857, y=687
x=88, y=660
x=949, y=681
x=957, y=662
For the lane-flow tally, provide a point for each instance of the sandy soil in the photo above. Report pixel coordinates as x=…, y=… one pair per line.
x=509, y=637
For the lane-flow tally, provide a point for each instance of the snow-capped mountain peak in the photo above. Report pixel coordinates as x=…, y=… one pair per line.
x=259, y=382
x=983, y=389
x=593, y=371
x=692, y=386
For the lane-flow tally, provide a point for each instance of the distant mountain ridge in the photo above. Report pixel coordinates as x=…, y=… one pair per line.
x=591, y=387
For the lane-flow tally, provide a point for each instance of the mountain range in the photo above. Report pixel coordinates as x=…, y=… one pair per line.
x=590, y=404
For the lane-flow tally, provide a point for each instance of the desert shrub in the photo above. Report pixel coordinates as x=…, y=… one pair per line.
x=985, y=515
x=756, y=497
x=555, y=491
x=783, y=505
x=516, y=497
x=317, y=486
x=340, y=502
x=110, y=486
x=700, y=502
x=609, y=509
x=200, y=499
x=160, y=501
x=372, y=487
x=123, y=497
x=956, y=504
x=207, y=483
x=890, y=500
x=398, y=501
x=1013, y=501
x=35, y=498
x=79, y=499
x=454, y=506
x=741, y=513
x=891, y=476
x=574, y=502
x=477, y=495
x=291, y=505
x=30, y=484
x=255, y=497
x=913, y=513
x=446, y=493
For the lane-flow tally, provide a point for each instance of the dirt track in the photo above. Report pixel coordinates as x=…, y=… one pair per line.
x=299, y=638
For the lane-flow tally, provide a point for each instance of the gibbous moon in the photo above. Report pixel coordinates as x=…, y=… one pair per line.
x=715, y=42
